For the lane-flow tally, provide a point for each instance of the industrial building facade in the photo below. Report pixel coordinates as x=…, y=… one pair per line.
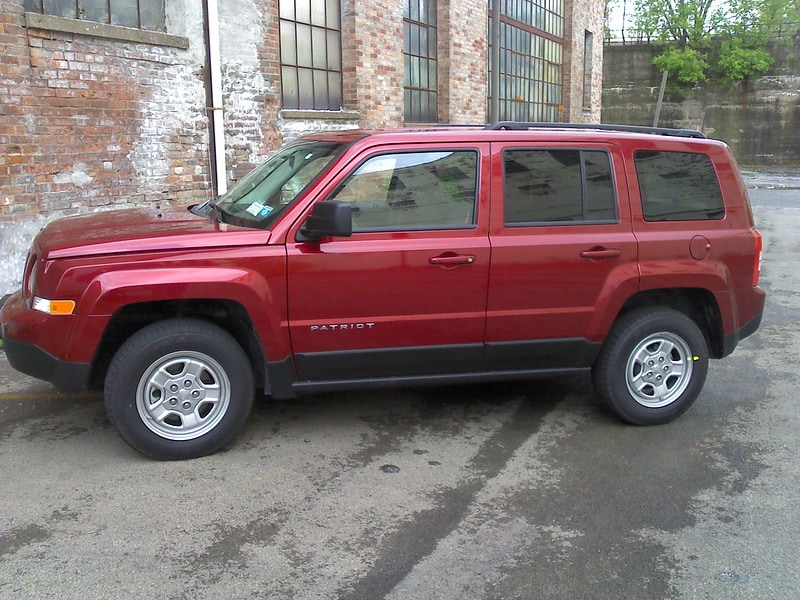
x=107, y=103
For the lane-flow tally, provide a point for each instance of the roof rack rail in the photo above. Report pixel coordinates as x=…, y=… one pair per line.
x=521, y=125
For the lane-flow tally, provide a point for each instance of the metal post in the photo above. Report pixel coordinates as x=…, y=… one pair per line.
x=494, y=100
x=660, y=98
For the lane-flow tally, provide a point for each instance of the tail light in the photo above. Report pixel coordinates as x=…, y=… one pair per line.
x=757, y=256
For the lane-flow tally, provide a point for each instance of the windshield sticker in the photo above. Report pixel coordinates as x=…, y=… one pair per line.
x=265, y=212
x=255, y=208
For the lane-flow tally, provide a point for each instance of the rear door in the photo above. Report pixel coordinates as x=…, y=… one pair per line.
x=564, y=256
x=405, y=295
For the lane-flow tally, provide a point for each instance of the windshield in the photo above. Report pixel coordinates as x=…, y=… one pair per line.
x=257, y=199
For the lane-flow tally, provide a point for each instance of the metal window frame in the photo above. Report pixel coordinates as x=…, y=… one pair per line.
x=525, y=86
x=413, y=94
x=290, y=61
x=40, y=7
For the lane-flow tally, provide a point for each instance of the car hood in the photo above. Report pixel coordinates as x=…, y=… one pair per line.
x=140, y=230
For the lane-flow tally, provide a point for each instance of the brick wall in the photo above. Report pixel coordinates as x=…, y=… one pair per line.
x=89, y=122
x=372, y=61
x=583, y=16
x=250, y=57
x=464, y=48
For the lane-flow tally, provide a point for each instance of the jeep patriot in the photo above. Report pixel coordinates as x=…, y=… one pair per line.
x=368, y=259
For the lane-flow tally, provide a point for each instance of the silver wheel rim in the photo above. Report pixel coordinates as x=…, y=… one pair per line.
x=659, y=370
x=183, y=395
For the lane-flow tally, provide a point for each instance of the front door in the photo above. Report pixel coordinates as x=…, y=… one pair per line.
x=405, y=295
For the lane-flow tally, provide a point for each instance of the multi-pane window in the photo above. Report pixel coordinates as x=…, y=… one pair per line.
x=139, y=14
x=419, y=52
x=557, y=186
x=531, y=59
x=311, y=54
x=678, y=186
x=413, y=190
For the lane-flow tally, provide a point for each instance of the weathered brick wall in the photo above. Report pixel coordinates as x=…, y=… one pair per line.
x=250, y=60
x=90, y=122
x=583, y=16
x=463, y=47
x=372, y=61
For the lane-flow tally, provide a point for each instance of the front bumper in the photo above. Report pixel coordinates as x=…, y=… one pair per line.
x=27, y=357
x=33, y=361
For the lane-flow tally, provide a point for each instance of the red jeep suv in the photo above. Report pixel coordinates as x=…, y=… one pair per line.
x=367, y=259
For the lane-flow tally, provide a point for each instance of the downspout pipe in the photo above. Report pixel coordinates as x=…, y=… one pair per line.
x=216, y=106
x=494, y=100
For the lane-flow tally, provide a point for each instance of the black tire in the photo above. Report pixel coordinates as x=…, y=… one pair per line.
x=179, y=389
x=652, y=366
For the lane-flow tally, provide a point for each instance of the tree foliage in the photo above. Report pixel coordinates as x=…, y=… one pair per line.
x=685, y=65
x=699, y=37
x=681, y=23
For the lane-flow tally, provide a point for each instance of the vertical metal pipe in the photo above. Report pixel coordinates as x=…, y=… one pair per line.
x=494, y=99
x=215, y=78
x=660, y=98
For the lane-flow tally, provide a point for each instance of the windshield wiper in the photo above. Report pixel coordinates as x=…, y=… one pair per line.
x=209, y=210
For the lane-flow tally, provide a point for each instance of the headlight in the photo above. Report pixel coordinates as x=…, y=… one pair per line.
x=53, y=307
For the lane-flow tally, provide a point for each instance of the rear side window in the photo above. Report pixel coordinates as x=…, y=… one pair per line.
x=678, y=186
x=413, y=190
x=557, y=186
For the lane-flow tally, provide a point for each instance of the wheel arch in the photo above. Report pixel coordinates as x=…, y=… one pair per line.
x=698, y=304
x=227, y=314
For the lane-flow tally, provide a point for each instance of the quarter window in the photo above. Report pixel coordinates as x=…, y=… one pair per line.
x=413, y=190
x=557, y=186
x=678, y=186
x=138, y=14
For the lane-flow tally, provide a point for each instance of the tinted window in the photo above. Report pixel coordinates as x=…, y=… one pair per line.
x=557, y=186
x=678, y=186
x=414, y=190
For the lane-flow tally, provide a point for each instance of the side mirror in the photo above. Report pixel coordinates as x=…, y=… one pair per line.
x=327, y=219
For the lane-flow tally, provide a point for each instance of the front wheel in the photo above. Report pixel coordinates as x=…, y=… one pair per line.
x=179, y=389
x=652, y=366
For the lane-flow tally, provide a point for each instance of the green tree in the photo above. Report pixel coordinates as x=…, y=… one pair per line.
x=681, y=23
x=729, y=38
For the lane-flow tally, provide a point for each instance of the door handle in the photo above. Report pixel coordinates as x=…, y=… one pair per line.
x=451, y=260
x=599, y=252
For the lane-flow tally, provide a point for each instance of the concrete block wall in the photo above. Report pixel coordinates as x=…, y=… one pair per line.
x=759, y=119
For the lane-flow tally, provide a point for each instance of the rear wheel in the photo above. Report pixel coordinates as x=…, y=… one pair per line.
x=652, y=366
x=179, y=389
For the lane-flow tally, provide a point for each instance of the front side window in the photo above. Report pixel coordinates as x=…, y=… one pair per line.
x=557, y=186
x=257, y=199
x=311, y=54
x=138, y=14
x=413, y=190
x=678, y=186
